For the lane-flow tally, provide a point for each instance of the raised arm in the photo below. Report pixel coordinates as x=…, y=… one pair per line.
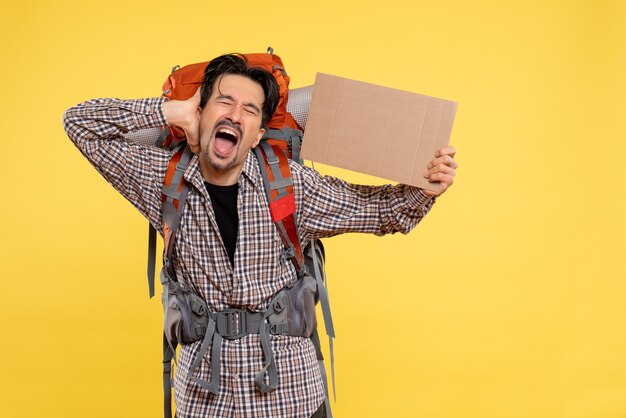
x=96, y=128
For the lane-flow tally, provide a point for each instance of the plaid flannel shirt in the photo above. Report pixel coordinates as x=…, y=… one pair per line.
x=326, y=206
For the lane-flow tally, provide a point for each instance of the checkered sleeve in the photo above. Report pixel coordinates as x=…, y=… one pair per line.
x=330, y=206
x=136, y=171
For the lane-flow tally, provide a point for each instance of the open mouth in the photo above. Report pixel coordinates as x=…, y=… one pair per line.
x=226, y=139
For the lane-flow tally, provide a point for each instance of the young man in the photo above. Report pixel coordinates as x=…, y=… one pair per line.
x=227, y=248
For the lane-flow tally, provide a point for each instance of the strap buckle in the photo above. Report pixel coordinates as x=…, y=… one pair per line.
x=232, y=324
x=279, y=329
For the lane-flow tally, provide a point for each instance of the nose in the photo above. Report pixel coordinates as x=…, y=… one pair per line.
x=235, y=113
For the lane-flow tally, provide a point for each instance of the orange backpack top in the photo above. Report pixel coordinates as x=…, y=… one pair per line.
x=183, y=83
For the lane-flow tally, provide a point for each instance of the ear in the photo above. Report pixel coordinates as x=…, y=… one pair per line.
x=258, y=137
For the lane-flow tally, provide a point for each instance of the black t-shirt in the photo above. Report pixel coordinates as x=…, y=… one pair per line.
x=224, y=201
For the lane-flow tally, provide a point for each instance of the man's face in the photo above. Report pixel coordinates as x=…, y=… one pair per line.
x=230, y=125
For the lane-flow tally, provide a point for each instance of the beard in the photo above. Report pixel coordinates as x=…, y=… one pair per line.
x=220, y=164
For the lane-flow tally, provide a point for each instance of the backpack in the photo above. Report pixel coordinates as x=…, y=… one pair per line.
x=186, y=315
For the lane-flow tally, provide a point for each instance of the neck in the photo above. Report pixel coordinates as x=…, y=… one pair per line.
x=219, y=177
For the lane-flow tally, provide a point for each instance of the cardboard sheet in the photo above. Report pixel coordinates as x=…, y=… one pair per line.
x=376, y=130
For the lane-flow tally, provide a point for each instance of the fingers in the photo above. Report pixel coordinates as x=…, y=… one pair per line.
x=448, y=179
x=185, y=114
x=441, y=170
x=446, y=160
x=180, y=113
x=441, y=186
x=442, y=183
x=451, y=151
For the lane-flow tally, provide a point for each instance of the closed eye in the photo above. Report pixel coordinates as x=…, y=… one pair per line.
x=251, y=110
x=225, y=101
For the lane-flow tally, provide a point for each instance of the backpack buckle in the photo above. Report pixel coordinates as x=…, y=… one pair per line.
x=232, y=324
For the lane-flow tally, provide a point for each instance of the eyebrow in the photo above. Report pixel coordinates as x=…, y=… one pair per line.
x=231, y=98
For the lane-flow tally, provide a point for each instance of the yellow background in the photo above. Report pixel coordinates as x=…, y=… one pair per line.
x=508, y=301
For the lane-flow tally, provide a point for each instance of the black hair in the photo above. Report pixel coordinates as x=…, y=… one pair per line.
x=237, y=65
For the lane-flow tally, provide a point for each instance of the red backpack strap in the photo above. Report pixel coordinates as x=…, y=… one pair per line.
x=279, y=189
x=173, y=196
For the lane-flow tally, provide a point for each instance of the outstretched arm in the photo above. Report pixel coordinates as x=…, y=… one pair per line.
x=330, y=206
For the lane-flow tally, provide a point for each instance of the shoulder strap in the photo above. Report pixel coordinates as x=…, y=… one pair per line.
x=174, y=194
x=286, y=135
x=315, y=257
x=278, y=185
x=279, y=190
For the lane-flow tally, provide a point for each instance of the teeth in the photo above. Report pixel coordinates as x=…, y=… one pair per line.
x=227, y=131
